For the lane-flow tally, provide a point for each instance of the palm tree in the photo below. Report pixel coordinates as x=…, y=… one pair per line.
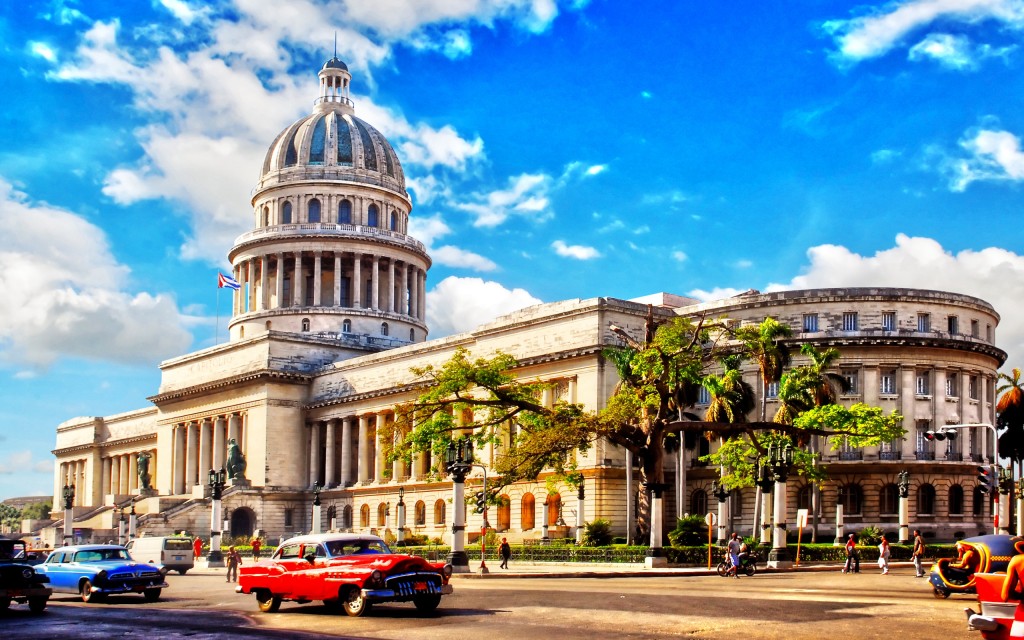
x=764, y=345
x=822, y=383
x=1010, y=408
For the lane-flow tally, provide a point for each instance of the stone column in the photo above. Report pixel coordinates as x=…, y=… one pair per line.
x=364, y=449
x=329, y=469
x=375, y=284
x=378, y=449
x=105, y=478
x=337, y=279
x=314, y=453
x=423, y=296
x=192, y=456
x=205, y=446
x=414, y=290
x=178, y=480
x=279, y=281
x=389, y=293
x=317, y=275
x=250, y=285
x=357, y=280
x=264, y=301
x=403, y=291
x=235, y=428
x=299, y=299
x=219, y=442
x=133, y=472
x=115, y=475
x=123, y=490
x=416, y=469
x=346, y=451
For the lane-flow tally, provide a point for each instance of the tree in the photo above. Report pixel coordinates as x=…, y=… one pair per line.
x=1010, y=408
x=764, y=345
x=659, y=375
x=10, y=517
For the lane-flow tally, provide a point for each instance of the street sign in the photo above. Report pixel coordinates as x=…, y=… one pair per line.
x=709, y=519
x=801, y=518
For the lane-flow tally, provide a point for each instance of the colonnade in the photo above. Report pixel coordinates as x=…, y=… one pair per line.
x=382, y=284
x=72, y=474
x=201, y=445
x=119, y=474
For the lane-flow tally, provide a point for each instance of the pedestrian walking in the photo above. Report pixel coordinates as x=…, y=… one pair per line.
x=883, y=555
x=197, y=547
x=232, y=560
x=256, y=544
x=918, y=553
x=734, y=553
x=852, y=556
x=505, y=551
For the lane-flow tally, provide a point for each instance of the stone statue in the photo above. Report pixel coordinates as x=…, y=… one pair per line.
x=145, y=480
x=236, y=461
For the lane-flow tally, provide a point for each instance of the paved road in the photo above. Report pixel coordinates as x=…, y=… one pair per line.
x=791, y=606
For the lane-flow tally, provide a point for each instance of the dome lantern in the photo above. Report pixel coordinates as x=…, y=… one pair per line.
x=334, y=86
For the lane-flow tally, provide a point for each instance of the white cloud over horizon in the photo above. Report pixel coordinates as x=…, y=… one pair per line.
x=575, y=251
x=457, y=305
x=993, y=156
x=66, y=295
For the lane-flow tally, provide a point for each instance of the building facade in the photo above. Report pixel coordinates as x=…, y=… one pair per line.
x=330, y=320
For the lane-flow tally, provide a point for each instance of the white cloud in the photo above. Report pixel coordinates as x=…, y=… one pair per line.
x=679, y=256
x=456, y=305
x=526, y=194
x=993, y=156
x=992, y=274
x=718, y=293
x=953, y=52
x=879, y=32
x=42, y=50
x=65, y=294
x=182, y=11
x=578, y=252
x=21, y=462
x=427, y=230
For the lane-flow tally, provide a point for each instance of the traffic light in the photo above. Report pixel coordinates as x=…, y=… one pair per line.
x=950, y=434
x=481, y=501
x=934, y=435
x=986, y=480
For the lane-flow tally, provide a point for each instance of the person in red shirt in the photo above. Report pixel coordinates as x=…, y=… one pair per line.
x=197, y=547
x=256, y=544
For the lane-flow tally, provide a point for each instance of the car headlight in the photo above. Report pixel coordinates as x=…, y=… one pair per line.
x=376, y=578
x=447, y=571
x=27, y=573
x=102, y=575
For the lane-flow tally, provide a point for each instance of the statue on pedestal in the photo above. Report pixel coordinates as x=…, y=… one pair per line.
x=236, y=461
x=145, y=480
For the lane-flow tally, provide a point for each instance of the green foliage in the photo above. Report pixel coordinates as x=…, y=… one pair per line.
x=597, y=533
x=870, y=535
x=690, y=530
x=37, y=510
x=10, y=517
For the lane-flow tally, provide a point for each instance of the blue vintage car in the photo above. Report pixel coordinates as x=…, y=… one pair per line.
x=97, y=570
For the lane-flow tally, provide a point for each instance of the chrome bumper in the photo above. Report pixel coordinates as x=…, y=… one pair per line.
x=389, y=594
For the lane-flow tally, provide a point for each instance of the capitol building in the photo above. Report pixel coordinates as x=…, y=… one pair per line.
x=330, y=319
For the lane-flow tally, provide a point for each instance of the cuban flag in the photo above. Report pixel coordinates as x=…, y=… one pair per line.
x=227, y=281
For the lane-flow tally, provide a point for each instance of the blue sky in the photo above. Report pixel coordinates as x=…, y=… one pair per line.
x=554, y=149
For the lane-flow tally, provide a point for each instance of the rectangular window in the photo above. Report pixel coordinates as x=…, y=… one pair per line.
x=953, y=324
x=972, y=387
x=703, y=396
x=810, y=322
x=924, y=322
x=951, y=386
x=288, y=517
x=888, y=382
x=975, y=329
x=889, y=320
x=772, y=390
x=851, y=380
x=850, y=321
x=922, y=383
x=923, y=444
x=988, y=333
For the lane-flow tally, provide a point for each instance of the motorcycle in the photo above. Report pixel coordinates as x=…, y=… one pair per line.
x=748, y=564
x=992, y=553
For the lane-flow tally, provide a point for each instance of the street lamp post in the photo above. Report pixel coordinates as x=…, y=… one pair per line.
x=120, y=525
x=765, y=481
x=68, y=495
x=904, y=488
x=216, y=481
x=781, y=458
x=655, y=553
x=722, y=495
x=458, y=463
x=580, y=496
x=400, y=516
x=315, y=525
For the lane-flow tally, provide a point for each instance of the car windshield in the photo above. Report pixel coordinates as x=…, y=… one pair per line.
x=97, y=555
x=355, y=547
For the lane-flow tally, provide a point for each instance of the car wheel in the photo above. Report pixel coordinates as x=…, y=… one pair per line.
x=182, y=571
x=354, y=603
x=36, y=605
x=426, y=604
x=751, y=569
x=268, y=602
x=5, y=603
x=87, y=593
x=722, y=569
x=151, y=595
x=940, y=593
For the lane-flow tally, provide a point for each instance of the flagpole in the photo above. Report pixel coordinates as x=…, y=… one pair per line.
x=216, y=331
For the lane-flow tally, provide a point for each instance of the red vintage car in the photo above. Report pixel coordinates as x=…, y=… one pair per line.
x=349, y=571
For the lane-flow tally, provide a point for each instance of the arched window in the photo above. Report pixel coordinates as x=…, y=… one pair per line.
x=736, y=503
x=241, y=332
x=956, y=500
x=346, y=517
x=267, y=325
x=265, y=218
x=421, y=514
x=925, y=499
x=698, y=502
x=313, y=211
x=528, y=513
x=345, y=212
x=394, y=221
x=382, y=514
x=803, y=496
x=439, y=509
x=286, y=213
x=305, y=324
x=980, y=498
x=383, y=328
x=504, y=513
x=889, y=499
x=554, y=509
x=346, y=326
x=364, y=516
x=412, y=335
x=372, y=215
x=853, y=499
